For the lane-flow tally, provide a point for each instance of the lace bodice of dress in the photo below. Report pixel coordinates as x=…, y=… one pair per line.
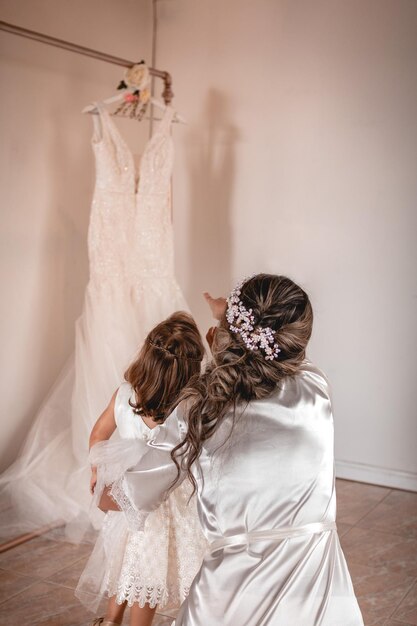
x=130, y=234
x=152, y=246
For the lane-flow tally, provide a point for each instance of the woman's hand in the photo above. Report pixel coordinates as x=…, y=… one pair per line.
x=93, y=480
x=217, y=305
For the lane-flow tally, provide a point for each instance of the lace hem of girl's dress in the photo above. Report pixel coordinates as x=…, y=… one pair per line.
x=135, y=519
x=154, y=595
x=165, y=597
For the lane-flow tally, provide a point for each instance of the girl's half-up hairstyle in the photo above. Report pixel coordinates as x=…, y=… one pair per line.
x=238, y=374
x=170, y=357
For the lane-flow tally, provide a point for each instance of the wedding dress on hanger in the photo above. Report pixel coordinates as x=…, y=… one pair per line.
x=131, y=288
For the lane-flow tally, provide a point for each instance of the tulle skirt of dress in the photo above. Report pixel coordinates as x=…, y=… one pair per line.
x=154, y=566
x=49, y=482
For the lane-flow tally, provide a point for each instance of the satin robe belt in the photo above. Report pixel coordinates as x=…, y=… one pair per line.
x=275, y=534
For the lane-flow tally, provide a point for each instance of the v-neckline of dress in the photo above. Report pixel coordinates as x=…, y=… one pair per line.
x=136, y=170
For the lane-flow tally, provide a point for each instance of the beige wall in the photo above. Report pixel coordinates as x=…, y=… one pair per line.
x=299, y=158
x=47, y=175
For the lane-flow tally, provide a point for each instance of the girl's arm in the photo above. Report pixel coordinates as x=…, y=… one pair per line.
x=102, y=430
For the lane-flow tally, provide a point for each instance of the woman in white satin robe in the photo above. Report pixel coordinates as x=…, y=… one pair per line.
x=267, y=504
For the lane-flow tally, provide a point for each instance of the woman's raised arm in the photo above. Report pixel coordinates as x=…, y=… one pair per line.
x=149, y=471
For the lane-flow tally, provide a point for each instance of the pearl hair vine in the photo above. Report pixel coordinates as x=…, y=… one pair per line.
x=172, y=354
x=242, y=321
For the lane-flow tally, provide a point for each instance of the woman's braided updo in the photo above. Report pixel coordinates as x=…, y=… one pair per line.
x=237, y=374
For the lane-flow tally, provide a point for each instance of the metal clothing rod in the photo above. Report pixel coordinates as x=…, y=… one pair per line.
x=167, y=94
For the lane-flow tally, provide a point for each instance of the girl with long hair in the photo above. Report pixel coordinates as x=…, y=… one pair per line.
x=254, y=436
x=154, y=566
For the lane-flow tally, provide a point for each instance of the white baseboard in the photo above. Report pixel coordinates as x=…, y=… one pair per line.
x=364, y=473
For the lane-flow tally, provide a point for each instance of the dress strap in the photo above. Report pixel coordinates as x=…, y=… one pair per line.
x=121, y=404
x=274, y=534
x=100, y=121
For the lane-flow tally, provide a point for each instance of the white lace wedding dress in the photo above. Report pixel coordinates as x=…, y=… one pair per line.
x=132, y=287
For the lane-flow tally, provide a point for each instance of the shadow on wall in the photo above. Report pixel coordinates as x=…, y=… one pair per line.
x=211, y=167
x=66, y=271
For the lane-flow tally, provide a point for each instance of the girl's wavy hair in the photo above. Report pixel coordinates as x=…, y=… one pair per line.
x=238, y=375
x=170, y=357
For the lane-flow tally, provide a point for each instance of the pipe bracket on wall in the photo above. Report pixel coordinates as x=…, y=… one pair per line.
x=167, y=93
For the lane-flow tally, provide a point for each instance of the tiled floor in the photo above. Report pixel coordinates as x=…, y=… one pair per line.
x=378, y=531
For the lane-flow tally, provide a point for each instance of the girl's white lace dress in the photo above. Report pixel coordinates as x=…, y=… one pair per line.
x=156, y=565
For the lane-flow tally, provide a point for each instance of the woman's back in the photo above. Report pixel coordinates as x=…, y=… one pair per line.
x=267, y=506
x=276, y=469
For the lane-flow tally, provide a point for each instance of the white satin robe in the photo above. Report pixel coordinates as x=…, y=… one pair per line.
x=267, y=505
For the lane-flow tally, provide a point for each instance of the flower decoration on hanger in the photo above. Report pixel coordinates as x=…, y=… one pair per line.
x=138, y=76
x=137, y=83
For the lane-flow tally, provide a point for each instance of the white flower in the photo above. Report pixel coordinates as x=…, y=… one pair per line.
x=137, y=76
